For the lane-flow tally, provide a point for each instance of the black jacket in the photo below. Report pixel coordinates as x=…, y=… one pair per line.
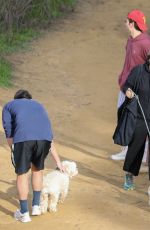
x=140, y=75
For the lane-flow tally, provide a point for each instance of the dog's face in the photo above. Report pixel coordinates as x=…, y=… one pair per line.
x=70, y=168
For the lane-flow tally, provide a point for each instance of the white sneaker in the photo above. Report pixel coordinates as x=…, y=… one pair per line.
x=120, y=156
x=36, y=210
x=23, y=217
x=144, y=169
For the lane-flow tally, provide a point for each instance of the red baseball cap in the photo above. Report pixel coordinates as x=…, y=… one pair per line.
x=139, y=18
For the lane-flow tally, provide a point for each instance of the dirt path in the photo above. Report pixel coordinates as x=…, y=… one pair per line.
x=73, y=71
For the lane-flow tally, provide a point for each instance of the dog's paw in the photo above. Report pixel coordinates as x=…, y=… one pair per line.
x=61, y=201
x=43, y=211
x=52, y=208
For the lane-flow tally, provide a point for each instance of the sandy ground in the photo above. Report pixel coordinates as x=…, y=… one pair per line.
x=73, y=71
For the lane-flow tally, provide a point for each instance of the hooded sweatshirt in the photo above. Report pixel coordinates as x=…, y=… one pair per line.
x=136, y=53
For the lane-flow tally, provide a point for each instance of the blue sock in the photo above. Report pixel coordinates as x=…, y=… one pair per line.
x=36, y=198
x=23, y=206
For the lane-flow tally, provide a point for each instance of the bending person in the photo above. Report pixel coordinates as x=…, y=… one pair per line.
x=28, y=129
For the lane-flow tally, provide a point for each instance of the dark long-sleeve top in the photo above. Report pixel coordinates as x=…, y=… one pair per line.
x=139, y=81
x=26, y=120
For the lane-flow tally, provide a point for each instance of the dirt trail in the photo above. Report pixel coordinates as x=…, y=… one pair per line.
x=73, y=71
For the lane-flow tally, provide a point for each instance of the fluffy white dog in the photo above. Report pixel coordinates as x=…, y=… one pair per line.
x=56, y=185
x=149, y=195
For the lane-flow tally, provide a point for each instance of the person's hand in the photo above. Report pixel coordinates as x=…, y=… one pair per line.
x=10, y=142
x=60, y=166
x=129, y=93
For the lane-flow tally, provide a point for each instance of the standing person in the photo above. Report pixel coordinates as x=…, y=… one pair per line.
x=28, y=129
x=136, y=147
x=138, y=45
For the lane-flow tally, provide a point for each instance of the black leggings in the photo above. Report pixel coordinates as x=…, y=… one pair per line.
x=136, y=148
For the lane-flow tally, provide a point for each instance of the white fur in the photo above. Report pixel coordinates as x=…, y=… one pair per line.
x=56, y=185
x=149, y=195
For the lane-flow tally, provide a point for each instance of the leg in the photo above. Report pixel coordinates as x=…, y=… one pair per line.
x=144, y=166
x=41, y=149
x=44, y=202
x=149, y=195
x=136, y=149
x=64, y=194
x=122, y=154
x=23, y=189
x=53, y=202
x=39, y=154
x=22, y=165
x=23, y=186
x=146, y=151
x=37, y=181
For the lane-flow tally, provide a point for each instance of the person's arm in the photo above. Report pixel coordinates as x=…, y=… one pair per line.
x=10, y=142
x=7, y=125
x=56, y=157
x=120, y=80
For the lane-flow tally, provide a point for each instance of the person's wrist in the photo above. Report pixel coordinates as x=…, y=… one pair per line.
x=58, y=163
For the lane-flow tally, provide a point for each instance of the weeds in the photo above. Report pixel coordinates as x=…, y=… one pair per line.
x=18, y=20
x=5, y=73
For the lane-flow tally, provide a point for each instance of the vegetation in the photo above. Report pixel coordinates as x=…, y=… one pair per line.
x=16, y=14
x=5, y=73
x=18, y=40
x=20, y=21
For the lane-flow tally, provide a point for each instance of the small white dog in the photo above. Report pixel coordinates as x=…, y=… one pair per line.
x=149, y=195
x=56, y=185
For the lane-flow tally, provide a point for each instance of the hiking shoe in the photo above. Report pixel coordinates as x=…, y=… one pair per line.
x=23, y=217
x=120, y=156
x=36, y=210
x=128, y=183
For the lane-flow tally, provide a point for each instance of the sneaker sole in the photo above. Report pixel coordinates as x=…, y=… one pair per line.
x=36, y=214
x=129, y=188
x=117, y=159
x=26, y=221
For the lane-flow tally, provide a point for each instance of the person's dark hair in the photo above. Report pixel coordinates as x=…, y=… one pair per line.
x=135, y=24
x=22, y=94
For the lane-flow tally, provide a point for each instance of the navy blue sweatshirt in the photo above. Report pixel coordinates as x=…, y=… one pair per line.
x=25, y=120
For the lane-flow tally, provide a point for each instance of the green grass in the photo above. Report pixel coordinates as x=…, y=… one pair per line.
x=13, y=42
x=5, y=73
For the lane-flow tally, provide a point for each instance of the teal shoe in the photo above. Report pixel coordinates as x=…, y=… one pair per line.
x=128, y=183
